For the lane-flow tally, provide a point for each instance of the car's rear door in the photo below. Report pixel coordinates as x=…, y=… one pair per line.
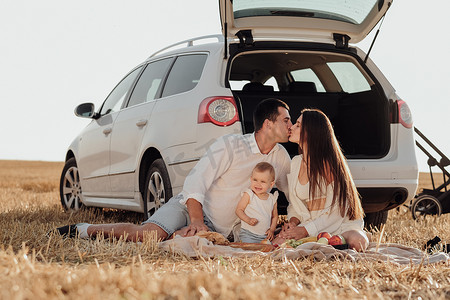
x=315, y=20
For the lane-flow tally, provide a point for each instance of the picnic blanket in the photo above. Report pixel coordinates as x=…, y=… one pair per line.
x=196, y=246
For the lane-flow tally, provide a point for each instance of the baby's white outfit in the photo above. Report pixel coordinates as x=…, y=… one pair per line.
x=260, y=210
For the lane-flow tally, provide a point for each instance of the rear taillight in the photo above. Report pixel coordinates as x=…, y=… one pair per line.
x=221, y=111
x=404, y=114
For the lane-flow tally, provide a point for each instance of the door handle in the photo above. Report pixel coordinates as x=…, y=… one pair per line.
x=107, y=131
x=141, y=123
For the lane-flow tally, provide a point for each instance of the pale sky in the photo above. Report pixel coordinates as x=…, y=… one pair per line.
x=56, y=54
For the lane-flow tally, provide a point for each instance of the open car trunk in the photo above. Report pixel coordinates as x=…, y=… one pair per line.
x=333, y=81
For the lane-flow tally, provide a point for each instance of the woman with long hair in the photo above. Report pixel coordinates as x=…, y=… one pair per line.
x=322, y=194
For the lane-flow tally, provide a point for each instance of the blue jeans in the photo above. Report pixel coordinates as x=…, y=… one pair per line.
x=173, y=216
x=249, y=237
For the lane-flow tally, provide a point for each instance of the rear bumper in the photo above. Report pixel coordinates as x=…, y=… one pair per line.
x=388, y=182
x=378, y=199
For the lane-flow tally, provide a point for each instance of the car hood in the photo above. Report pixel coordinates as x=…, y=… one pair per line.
x=313, y=20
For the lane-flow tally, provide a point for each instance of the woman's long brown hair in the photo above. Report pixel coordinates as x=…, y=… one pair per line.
x=325, y=159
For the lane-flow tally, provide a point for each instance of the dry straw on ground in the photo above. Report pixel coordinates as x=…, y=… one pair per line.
x=36, y=264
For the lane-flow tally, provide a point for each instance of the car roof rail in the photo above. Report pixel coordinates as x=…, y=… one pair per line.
x=189, y=42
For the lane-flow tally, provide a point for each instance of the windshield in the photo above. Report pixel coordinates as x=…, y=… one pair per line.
x=351, y=11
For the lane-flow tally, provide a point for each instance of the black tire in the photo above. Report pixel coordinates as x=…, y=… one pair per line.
x=70, y=187
x=375, y=220
x=425, y=205
x=157, y=188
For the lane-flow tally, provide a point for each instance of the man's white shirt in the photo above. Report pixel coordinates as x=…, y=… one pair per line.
x=223, y=172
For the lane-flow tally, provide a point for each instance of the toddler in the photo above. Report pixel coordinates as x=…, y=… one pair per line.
x=258, y=208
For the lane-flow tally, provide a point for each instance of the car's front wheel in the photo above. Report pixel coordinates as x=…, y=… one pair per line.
x=157, y=189
x=70, y=187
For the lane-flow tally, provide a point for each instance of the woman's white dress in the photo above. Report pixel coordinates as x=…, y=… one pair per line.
x=316, y=215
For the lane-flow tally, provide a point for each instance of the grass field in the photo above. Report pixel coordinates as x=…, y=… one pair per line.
x=34, y=265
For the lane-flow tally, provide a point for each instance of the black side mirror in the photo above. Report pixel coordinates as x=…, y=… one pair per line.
x=86, y=110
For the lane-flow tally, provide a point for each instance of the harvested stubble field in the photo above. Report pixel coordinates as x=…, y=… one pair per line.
x=34, y=265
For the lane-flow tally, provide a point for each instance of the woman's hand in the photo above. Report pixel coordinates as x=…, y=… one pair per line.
x=288, y=225
x=293, y=232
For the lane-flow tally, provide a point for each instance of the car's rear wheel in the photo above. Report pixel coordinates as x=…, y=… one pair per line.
x=70, y=187
x=157, y=189
x=425, y=205
x=375, y=220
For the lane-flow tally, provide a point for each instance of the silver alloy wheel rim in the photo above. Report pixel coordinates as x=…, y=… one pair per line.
x=156, y=195
x=72, y=189
x=426, y=205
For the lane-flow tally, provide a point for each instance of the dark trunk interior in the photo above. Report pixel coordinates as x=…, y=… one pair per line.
x=359, y=119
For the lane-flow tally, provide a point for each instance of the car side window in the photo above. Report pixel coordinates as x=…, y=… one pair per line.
x=185, y=74
x=237, y=85
x=149, y=83
x=273, y=83
x=308, y=75
x=115, y=99
x=349, y=76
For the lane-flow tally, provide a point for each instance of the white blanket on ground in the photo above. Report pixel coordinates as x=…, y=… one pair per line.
x=398, y=254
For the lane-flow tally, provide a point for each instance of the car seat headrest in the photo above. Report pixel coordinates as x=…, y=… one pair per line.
x=257, y=87
x=302, y=87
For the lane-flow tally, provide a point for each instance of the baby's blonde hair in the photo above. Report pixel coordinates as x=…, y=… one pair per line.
x=263, y=167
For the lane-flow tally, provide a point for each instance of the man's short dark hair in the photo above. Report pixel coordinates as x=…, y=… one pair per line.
x=267, y=109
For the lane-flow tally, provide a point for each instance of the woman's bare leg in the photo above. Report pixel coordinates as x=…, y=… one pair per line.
x=356, y=239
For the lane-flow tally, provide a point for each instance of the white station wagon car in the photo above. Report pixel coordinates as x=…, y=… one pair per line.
x=162, y=116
